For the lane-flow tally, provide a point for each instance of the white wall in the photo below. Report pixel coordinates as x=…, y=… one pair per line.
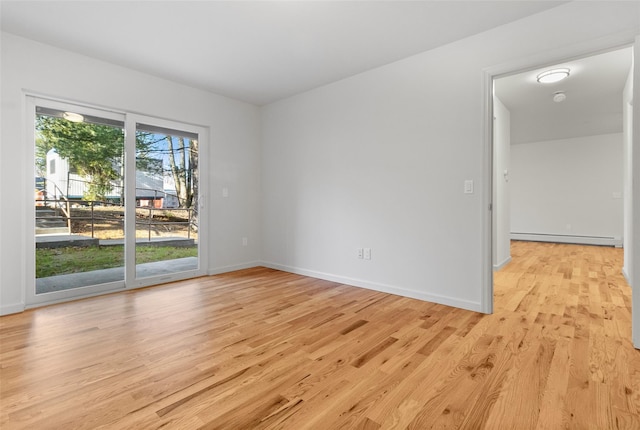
x=234, y=148
x=501, y=184
x=569, y=187
x=379, y=159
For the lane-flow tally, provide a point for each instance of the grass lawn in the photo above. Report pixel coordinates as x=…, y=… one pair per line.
x=61, y=261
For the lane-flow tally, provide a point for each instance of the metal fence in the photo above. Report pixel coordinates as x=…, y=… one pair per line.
x=145, y=215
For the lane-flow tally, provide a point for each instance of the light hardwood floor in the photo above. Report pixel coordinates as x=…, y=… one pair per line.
x=265, y=349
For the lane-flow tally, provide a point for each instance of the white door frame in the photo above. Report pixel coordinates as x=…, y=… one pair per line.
x=634, y=269
x=31, y=298
x=543, y=59
x=130, y=195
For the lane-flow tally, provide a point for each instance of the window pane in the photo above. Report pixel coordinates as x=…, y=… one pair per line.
x=166, y=201
x=79, y=206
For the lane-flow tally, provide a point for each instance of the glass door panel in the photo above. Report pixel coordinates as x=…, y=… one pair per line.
x=78, y=198
x=116, y=201
x=166, y=199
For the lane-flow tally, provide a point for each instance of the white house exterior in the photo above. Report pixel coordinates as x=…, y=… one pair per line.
x=62, y=181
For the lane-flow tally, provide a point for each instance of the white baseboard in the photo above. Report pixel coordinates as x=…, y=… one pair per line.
x=434, y=298
x=233, y=268
x=501, y=265
x=560, y=238
x=428, y=297
x=15, y=308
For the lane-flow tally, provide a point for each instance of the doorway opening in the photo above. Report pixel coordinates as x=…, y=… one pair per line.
x=558, y=154
x=561, y=155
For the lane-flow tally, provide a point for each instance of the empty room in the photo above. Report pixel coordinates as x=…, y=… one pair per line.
x=291, y=214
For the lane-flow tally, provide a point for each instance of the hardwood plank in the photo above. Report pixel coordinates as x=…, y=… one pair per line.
x=264, y=349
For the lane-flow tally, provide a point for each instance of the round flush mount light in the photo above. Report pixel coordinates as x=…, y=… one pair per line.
x=559, y=97
x=73, y=117
x=553, y=75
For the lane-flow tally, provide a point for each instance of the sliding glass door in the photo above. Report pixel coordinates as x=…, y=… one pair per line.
x=167, y=210
x=116, y=201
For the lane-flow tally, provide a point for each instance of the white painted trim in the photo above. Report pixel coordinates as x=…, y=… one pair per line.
x=560, y=238
x=434, y=298
x=506, y=261
x=234, y=267
x=129, y=196
x=28, y=260
x=488, y=205
x=633, y=266
x=561, y=55
x=131, y=121
x=15, y=308
x=52, y=298
x=626, y=275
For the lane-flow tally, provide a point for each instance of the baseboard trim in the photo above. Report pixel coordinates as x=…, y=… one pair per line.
x=560, y=238
x=15, y=308
x=234, y=267
x=404, y=292
x=506, y=261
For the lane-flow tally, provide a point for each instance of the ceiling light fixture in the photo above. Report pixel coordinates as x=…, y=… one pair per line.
x=554, y=75
x=73, y=117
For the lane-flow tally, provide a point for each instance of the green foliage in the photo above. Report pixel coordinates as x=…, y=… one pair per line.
x=42, y=147
x=93, y=150
x=59, y=261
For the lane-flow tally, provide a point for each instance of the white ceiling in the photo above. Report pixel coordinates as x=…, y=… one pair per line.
x=259, y=51
x=593, y=105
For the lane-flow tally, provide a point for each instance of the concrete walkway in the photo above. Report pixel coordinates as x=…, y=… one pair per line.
x=64, y=240
x=155, y=241
x=96, y=277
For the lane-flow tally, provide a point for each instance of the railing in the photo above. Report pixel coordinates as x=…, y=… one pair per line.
x=189, y=223
x=94, y=218
x=58, y=203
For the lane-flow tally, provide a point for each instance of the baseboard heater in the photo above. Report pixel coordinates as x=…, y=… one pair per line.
x=566, y=238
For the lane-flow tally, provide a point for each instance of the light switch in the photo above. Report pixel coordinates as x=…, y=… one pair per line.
x=468, y=186
x=225, y=192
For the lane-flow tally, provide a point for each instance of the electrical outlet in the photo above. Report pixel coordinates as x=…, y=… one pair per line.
x=367, y=253
x=360, y=253
x=245, y=241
